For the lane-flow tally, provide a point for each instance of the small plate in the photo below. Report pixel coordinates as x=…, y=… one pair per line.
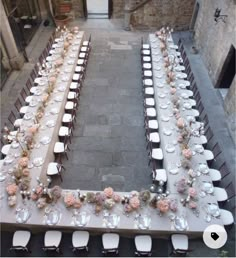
x=70, y=62
x=58, y=98
x=203, y=168
x=2, y=177
x=161, y=95
x=38, y=92
x=28, y=116
x=173, y=171
x=165, y=118
x=50, y=123
x=163, y=106
x=160, y=85
x=167, y=132
x=8, y=160
x=207, y=187
x=170, y=148
x=45, y=140
x=54, y=111
x=65, y=78
x=184, y=95
x=62, y=88
x=33, y=103
x=187, y=105
x=199, y=148
x=38, y=162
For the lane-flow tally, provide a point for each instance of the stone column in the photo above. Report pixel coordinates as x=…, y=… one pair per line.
x=16, y=59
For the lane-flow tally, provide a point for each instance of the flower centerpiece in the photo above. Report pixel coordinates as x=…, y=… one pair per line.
x=103, y=200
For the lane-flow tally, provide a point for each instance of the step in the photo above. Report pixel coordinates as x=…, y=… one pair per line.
x=97, y=16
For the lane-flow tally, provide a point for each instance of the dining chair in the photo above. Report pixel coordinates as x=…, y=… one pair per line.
x=76, y=86
x=69, y=118
x=155, y=154
x=227, y=216
x=147, y=82
x=20, y=241
x=224, y=171
x=14, y=121
x=209, y=134
x=216, y=150
x=41, y=59
x=151, y=124
x=61, y=148
x=148, y=92
x=159, y=175
x=224, y=194
x=88, y=42
x=5, y=149
x=80, y=240
x=150, y=112
x=73, y=96
x=146, y=59
x=110, y=242
x=191, y=77
x=21, y=109
x=147, y=74
x=54, y=169
x=33, y=74
x=65, y=131
x=28, y=85
x=70, y=106
x=152, y=137
x=143, y=244
x=149, y=102
x=146, y=66
x=52, y=240
x=179, y=244
x=184, y=55
x=205, y=120
x=23, y=94
x=179, y=42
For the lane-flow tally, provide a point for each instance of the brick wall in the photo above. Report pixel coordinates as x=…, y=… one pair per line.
x=157, y=13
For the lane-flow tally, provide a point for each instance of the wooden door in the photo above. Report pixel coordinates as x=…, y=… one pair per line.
x=110, y=8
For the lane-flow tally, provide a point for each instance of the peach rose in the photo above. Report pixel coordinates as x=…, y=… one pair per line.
x=108, y=192
x=23, y=162
x=69, y=199
x=134, y=202
x=11, y=189
x=180, y=123
x=77, y=204
x=52, y=79
x=66, y=45
x=163, y=205
x=192, y=205
x=33, y=129
x=192, y=192
x=25, y=172
x=173, y=91
x=12, y=200
x=187, y=153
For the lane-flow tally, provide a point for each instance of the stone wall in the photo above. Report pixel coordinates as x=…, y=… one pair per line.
x=78, y=8
x=157, y=13
x=118, y=8
x=214, y=41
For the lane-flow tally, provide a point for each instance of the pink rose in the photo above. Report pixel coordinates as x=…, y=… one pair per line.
x=192, y=192
x=108, y=192
x=116, y=198
x=11, y=189
x=134, y=202
x=39, y=190
x=158, y=33
x=33, y=129
x=163, y=205
x=66, y=45
x=34, y=197
x=127, y=208
x=192, y=205
x=173, y=205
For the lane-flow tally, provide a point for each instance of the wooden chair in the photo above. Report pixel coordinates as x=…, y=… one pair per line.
x=205, y=120
x=200, y=108
x=18, y=105
x=209, y=134
x=33, y=74
x=224, y=171
x=28, y=85
x=216, y=150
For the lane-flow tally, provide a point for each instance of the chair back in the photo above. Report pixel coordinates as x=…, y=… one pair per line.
x=28, y=84
x=205, y=120
x=230, y=190
x=209, y=134
x=224, y=171
x=18, y=104
x=12, y=118
x=216, y=150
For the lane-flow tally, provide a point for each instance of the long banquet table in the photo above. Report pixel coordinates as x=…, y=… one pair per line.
x=161, y=224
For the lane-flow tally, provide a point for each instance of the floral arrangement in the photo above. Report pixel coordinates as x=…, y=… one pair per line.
x=40, y=112
x=187, y=153
x=180, y=123
x=11, y=190
x=103, y=200
x=132, y=201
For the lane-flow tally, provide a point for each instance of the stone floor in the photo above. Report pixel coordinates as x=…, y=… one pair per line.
x=109, y=135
